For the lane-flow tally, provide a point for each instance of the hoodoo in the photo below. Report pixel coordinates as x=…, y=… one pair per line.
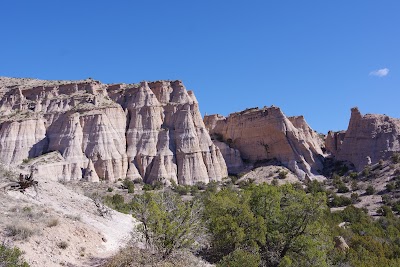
x=151, y=130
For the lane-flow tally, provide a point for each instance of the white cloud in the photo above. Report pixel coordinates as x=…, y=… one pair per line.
x=380, y=73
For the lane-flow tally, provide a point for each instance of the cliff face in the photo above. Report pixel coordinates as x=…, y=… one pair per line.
x=368, y=139
x=261, y=134
x=152, y=131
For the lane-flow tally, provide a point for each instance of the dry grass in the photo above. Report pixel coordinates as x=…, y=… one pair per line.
x=19, y=231
x=73, y=217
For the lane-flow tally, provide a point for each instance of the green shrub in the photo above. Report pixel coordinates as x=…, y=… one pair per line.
x=117, y=199
x=168, y=223
x=353, y=175
x=110, y=189
x=240, y=258
x=147, y=187
x=386, y=199
x=314, y=187
x=194, y=190
x=282, y=174
x=342, y=188
x=366, y=171
x=390, y=186
x=201, y=185
x=11, y=257
x=354, y=185
x=266, y=219
x=339, y=201
x=182, y=189
x=158, y=185
x=355, y=198
x=370, y=190
x=128, y=184
x=385, y=211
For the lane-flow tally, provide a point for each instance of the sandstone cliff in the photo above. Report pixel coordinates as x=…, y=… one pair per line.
x=262, y=134
x=368, y=139
x=152, y=131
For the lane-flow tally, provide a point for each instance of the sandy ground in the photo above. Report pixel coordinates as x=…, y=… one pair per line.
x=64, y=227
x=268, y=173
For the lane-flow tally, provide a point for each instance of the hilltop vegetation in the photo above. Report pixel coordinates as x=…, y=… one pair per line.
x=265, y=225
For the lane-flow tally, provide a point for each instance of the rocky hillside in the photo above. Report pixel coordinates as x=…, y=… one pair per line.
x=368, y=139
x=153, y=131
x=264, y=134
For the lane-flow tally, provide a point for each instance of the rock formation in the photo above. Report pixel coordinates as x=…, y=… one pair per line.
x=334, y=141
x=152, y=131
x=368, y=139
x=232, y=157
x=263, y=134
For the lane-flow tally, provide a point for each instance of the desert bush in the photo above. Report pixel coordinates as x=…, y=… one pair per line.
x=19, y=231
x=201, y=185
x=128, y=184
x=52, y=222
x=385, y=211
x=168, y=223
x=157, y=185
x=353, y=175
x=354, y=185
x=62, y=244
x=342, y=188
x=370, y=190
x=390, y=186
x=138, y=181
x=182, y=189
x=73, y=217
x=386, y=199
x=194, y=190
x=110, y=189
x=212, y=187
x=266, y=220
x=355, y=198
x=282, y=174
x=395, y=158
x=366, y=171
x=339, y=201
x=147, y=187
x=240, y=258
x=102, y=209
x=11, y=256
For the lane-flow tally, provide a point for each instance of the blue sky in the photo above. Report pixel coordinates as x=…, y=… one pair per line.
x=312, y=57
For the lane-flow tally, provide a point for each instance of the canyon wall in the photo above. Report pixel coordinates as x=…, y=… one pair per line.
x=263, y=134
x=368, y=139
x=153, y=131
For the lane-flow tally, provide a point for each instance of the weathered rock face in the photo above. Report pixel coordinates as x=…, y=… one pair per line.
x=232, y=157
x=368, y=139
x=152, y=131
x=334, y=141
x=261, y=134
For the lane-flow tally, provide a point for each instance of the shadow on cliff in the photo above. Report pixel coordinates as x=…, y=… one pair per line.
x=39, y=148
